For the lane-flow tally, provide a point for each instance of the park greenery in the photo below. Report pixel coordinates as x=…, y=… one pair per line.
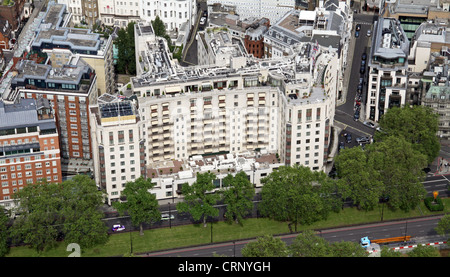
x=46, y=213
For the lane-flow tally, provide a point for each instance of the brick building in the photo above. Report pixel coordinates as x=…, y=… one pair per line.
x=254, y=38
x=70, y=90
x=13, y=12
x=29, y=146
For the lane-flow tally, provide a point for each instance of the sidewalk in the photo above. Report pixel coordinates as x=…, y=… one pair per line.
x=440, y=166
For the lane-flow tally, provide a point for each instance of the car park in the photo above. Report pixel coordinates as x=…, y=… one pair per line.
x=118, y=228
x=369, y=124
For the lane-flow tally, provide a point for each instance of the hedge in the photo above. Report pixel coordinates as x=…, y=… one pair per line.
x=434, y=205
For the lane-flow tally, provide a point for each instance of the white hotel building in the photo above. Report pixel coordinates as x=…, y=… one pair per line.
x=282, y=108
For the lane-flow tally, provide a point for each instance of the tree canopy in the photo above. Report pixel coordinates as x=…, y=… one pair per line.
x=298, y=195
x=418, y=125
x=265, y=246
x=198, y=199
x=126, y=60
x=237, y=194
x=4, y=233
x=306, y=244
x=140, y=204
x=49, y=212
x=400, y=169
x=357, y=179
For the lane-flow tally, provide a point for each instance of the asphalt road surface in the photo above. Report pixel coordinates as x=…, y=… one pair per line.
x=421, y=230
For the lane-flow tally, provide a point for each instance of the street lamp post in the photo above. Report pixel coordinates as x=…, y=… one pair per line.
x=173, y=195
x=170, y=219
x=131, y=244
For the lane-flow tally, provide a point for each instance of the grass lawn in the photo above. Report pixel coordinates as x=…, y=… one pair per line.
x=188, y=235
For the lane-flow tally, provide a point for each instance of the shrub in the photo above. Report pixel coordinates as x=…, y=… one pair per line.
x=434, y=205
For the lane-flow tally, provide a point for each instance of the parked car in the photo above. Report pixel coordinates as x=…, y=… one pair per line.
x=369, y=32
x=341, y=145
x=349, y=138
x=363, y=139
x=364, y=56
x=362, y=70
x=363, y=62
x=358, y=27
x=359, y=88
x=356, y=116
x=356, y=34
x=118, y=228
x=167, y=217
x=369, y=124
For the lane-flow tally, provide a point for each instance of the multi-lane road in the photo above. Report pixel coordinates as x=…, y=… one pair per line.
x=421, y=229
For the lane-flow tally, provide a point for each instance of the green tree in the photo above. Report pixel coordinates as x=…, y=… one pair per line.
x=265, y=246
x=160, y=30
x=357, y=179
x=237, y=194
x=140, y=204
x=424, y=251
x=308, y=244
x=347, y=249
x=158, y=27
x=68, y=210
x=126, y=60
x=39, y=222
x=4, y=233
x=81, y=212
x=443, y=227
x=298, y=195
x=418, y=125
x=199, y=200
x=400, y=168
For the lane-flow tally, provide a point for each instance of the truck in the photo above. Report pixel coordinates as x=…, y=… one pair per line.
x=365, y=242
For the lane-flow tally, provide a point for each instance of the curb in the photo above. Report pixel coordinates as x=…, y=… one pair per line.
x=424, y=244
